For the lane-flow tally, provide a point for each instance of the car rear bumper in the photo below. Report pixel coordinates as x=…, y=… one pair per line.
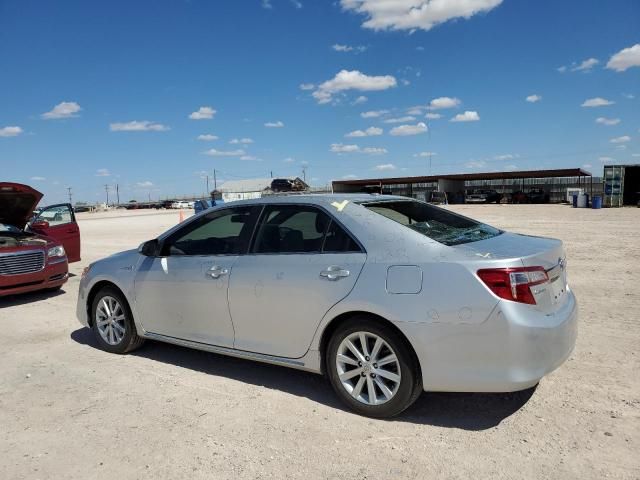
x=510, y=351
x=53, y=275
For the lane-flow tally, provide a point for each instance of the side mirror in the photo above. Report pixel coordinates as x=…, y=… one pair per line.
x=150, y=248
x=39, y=225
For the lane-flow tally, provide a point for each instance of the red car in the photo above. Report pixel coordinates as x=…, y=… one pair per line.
x=34, y=254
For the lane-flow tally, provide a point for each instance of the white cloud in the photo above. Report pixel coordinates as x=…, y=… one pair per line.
x=606, y=159
x=562, y=69
x=352, y=80
x=349, y=48
x=11, y=131
x=625, y=58
x=475, y=164
x=506, y=156
x=341, y=148
x=374, y=113
x=289, y=160
x=138, y=126
x=607, y=121
x=307, y=86
x=374, y=150
x=222, y=153
x=585, y=65
x=296, y=4
x=444, y=102
x=425, y=154
x=629, y=96
x=596, y=102
x=400, y=120
x=38, y=179
x=511, y=167
x=369, y=132
x=103, y=172
x=360, y=100
x=417, y=110
x=467, y=116
x=533, y=98
x=432, y=116
x=277, y=124
x=62, y=110
x=250, y=158
x=207, y=137
x=243, y=141
x=635, y=154
x=266, y=4
x=203, y=113
x=385, y=167
x=622, y=139
x=415, y=14
x=145, y=184
x=587, y=165
x=404, y=130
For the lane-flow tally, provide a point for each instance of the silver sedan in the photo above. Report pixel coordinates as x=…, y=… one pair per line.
x=386, y=296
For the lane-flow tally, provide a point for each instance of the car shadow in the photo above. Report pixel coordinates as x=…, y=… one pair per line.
x=29, y=297
x=466, y=411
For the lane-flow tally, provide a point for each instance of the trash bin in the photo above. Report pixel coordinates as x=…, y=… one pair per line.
x=596, y=202
x=575, y=201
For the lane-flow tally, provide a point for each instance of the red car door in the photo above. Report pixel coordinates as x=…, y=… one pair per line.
x=59, y=222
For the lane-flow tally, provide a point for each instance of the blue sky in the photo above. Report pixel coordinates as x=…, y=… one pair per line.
x=78, y=81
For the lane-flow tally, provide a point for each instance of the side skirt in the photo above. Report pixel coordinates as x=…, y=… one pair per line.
x=309, y=362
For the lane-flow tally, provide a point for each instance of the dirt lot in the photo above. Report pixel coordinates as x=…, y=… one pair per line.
x=69, y=410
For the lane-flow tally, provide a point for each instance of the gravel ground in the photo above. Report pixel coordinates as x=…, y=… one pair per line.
x=69, y=410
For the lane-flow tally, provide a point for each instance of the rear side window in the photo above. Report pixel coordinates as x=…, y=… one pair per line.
x=436, y=223
x=300, y=229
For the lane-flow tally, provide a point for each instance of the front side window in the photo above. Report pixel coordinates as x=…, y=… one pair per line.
x=223, y=232
x=438, y=224
x=56, y=215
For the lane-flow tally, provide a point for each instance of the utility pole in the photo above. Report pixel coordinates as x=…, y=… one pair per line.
x=117, y=194
x=304, y=174
x=106, y=189
x=69, y=189
x=215, y=182
x=271, y=173
x=208, y=192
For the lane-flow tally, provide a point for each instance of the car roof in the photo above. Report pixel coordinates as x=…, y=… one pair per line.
x=318, y=199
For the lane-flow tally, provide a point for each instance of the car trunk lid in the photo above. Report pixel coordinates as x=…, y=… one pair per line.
x=530, y=251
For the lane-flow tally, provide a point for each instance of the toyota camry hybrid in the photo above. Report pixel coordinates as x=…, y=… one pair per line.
x=387, y=296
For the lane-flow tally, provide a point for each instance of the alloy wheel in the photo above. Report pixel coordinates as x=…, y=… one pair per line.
x=368, y=368
x=110, y=320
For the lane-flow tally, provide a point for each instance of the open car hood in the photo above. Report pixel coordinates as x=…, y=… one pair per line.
x=17, y=203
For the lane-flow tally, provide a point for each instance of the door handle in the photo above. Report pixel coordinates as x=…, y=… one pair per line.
x=217, y=272
x=334, y=273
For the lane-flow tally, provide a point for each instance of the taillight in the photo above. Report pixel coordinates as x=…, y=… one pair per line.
x=514, y=283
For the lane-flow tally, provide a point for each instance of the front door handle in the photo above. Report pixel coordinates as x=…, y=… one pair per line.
x=334, y=273
x=217, y=271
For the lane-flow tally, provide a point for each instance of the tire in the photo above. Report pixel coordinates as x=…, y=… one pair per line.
x=354, y=387
x=120, y=334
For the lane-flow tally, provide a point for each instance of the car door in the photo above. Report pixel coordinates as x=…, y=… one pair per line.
x=301, y=264
x=59, y=222
x=182, y=293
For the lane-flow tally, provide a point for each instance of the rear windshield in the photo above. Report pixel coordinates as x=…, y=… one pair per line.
x=438, y=224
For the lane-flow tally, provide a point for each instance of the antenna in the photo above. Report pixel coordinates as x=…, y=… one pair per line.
x=69, y=189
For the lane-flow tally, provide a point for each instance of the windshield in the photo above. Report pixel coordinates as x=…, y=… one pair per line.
x=8, y=228
x=438, y=224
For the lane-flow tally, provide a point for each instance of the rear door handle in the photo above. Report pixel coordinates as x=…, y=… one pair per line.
x=217, y=271
x=334, y=273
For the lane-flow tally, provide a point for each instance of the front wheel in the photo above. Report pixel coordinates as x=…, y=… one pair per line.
x=112, y=322
x=372, y=368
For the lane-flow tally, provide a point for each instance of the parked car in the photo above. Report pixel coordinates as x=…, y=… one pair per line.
x=538, y=195
x=387, y=296
x=519, y=197
x=180, y=204
x=34, y=254
x=483, y=196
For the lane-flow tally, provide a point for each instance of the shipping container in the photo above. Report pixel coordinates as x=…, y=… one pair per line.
x=621, y=185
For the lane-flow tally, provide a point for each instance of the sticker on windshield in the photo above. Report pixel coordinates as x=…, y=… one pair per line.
x=340, y=206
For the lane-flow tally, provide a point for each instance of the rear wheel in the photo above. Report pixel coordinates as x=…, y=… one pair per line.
x=372, y=368
x=112, y=322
